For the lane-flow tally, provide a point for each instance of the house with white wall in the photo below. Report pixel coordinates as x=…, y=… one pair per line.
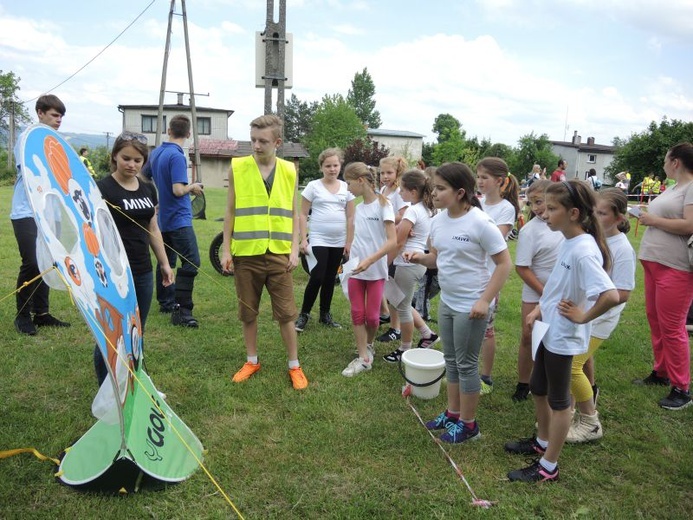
x=400, y=142
x=216, y=149
x=581, y=157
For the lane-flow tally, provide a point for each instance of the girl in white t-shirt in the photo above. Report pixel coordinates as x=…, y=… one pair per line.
x=462, y=239
x=501, y=193
x=374, y=239
x=412, y=236
x=577, y=291
x=391, y=170
x=611, y=211
x=331, y=209
x=535, y=256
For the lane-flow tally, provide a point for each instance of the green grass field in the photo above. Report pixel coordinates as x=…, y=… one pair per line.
x=343, y=448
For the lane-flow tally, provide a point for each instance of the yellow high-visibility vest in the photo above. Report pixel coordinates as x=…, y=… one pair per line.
x=262, y=222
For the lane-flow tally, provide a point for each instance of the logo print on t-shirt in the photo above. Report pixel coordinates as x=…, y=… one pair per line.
x=461, y=238
x=565, y=265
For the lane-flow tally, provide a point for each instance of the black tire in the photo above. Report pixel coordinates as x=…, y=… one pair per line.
x=214, y=257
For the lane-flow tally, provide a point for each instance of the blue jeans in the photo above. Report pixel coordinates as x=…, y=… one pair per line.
x=144, y=288
x=180, y=243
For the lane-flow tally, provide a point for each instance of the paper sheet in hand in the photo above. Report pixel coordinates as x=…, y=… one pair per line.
x=538, y=333
x=310, y=259
x=635, y=211
x=393, y=293
x=347, y=268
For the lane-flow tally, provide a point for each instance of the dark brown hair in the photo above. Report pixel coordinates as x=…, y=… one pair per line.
x=510, y=189
x=460, y=176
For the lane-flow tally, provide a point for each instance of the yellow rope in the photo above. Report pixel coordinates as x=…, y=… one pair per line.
x=10, y=453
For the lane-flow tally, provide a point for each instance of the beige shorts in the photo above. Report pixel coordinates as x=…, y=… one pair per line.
x=252, y=274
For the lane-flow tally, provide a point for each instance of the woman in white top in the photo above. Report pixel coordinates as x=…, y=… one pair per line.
x=462, y=239
x=331, y=209
x=501, y=194
x=612, y=213
x=535, y=256
x=412, y=236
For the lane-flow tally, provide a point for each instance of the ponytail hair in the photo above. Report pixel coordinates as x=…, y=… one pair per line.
x=618, y=202
x=575, y=193
x=510, y=189
x=358, y=170
x=397, y=163
x=416, y=180
x=460, y=176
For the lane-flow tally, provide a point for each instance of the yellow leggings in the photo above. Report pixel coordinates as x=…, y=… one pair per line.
x=579, y=384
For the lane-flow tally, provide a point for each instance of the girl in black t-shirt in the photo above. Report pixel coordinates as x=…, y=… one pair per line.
x=133, y=203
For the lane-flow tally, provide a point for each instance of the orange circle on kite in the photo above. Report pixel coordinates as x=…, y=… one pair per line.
x=73, y=271
x=57, y=161
x=90, y=239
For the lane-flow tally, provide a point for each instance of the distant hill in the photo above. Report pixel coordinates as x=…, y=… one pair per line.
x=75, y=139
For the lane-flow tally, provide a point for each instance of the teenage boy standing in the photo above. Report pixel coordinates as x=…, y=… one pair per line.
x=261, y=241
x=33, y=297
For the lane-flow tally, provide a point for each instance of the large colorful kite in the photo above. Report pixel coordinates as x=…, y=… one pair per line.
x=137, y=439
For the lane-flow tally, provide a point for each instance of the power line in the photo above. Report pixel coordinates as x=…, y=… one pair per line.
x=97, y=55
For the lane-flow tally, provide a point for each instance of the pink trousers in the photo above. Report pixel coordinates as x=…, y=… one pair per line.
x=668, y=295
x=365, y=297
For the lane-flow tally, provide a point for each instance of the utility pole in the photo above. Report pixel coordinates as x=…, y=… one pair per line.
x=10, y=137
x=275, y=58
x=193, y=110
x=108, y=139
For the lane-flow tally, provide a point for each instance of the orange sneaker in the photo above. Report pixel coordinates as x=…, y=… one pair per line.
x=246, y=371
x=298, y=378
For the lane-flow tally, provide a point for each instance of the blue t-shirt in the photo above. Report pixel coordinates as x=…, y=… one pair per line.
x=167, y=166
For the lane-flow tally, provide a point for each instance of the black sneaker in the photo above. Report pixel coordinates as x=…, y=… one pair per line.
x=428, y=342
x=326, y=319
x=528, y=446
x=167, y=309
x=394, y=356
x=535, y=472
x=183, y=317
x=301, y=322
x=24, y=325
x=676, y=400
x=390, y=335
x=48, y=320
x=521, y=392
x=652, y=380
x=384, y=318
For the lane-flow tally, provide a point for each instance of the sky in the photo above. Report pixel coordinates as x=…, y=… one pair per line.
x=503, y=68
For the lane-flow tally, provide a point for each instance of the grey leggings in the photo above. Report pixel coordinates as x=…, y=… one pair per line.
x=462, y=340
x=406, y=277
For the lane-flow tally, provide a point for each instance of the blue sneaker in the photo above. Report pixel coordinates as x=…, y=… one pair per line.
x=439, y=423
x=457, y=433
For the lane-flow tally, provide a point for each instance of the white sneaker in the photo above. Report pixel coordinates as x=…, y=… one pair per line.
x=585, y=429
x=356, y=366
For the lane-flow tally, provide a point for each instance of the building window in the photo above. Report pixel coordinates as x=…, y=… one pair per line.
x=591, y=158
x=204, y=125
x=149, y=125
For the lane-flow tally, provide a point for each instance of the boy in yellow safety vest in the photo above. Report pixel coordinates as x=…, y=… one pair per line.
x=260, y=243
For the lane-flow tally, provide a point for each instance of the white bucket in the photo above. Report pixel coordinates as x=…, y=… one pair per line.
x=423, y=370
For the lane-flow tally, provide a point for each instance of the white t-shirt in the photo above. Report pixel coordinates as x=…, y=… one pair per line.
x=537, y=248
x=502, y=213
x=395, y=199
x=464, y=245
x=622, y=273
x=327, y=213
x=578, y=276
x=370, y=235
x=420, y=217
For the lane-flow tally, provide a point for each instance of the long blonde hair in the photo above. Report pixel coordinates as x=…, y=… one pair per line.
x=358, y=170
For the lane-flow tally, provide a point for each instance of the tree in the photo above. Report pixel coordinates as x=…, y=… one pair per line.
x=365, y=150
x=298, y=118
x=10, y=105
x=532, y=150
x=644, y=153
x=334, y=123
x=360, y=96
